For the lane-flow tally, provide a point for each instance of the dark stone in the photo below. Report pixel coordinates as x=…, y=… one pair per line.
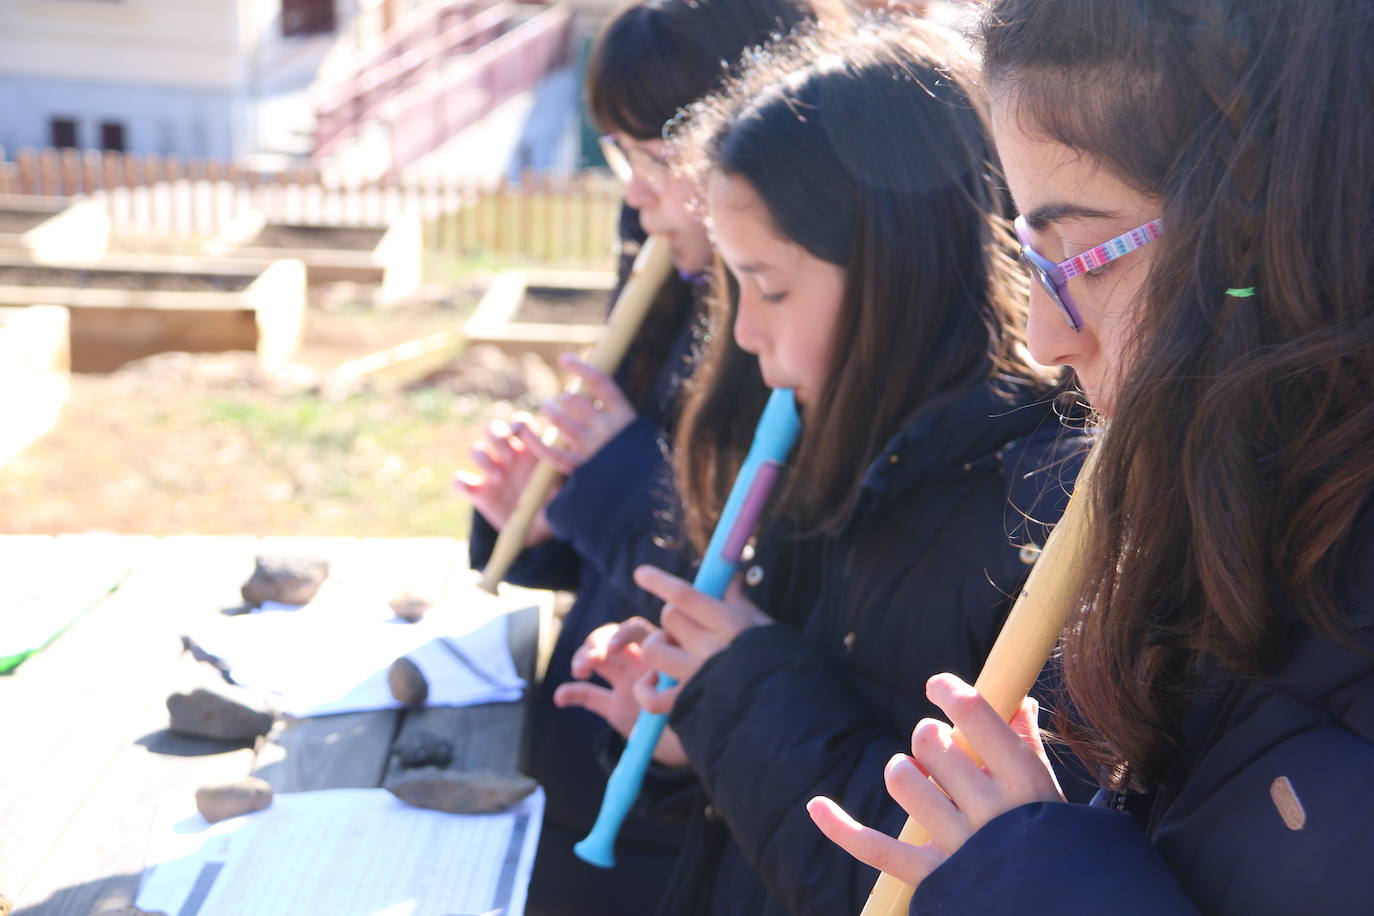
x=407, y=682
x=457, y=792
x=289, y=580
x=230, y=714
x=423, y=748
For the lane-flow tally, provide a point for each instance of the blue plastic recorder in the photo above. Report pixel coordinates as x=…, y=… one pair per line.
x=773, y=439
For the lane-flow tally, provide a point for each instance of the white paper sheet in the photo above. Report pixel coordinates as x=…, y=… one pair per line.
x=315, y=661
x=345, y=852
x=50, y=582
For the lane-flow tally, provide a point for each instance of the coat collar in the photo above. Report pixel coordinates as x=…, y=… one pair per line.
x=951, y=434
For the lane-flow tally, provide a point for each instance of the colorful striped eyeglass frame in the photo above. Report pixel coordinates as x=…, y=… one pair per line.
x=1055, y=277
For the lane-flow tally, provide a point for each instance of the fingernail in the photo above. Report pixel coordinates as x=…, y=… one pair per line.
x=902, y=765
x=927, y=728
x=943, y=684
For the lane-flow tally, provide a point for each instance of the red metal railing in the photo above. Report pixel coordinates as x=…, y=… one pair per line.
x=443, y=75
x=423, y=120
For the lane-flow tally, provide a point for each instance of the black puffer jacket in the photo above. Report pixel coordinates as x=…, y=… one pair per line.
x=916, y=583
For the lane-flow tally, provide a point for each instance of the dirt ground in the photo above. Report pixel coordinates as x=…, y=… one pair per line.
x=209, y=444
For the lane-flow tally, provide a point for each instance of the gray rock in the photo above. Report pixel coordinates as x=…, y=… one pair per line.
x=290, y=580
x=227, y=714
x=457, y=792
x=407, y=682
x=222, y=801
x=422, y=748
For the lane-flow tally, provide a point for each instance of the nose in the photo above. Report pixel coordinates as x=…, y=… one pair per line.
x=1051, y=341
x=748, y=334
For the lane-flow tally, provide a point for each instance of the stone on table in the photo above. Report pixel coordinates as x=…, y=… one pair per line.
x=422, y=748
x=410, y=607
x=284, y=579
x=221, y=801
x=226, y=713
x=458, y=792
x=407, y=682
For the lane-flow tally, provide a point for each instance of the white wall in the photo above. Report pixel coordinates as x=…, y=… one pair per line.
x=177, y=42
x=183, y=76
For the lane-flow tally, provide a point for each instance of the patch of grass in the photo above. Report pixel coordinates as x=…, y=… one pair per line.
x=166, y=449
x=196, y=461
x=382, y=461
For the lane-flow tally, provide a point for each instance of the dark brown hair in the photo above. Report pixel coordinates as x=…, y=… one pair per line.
x=870, y=151
x=1238, y=454
x=652, y=58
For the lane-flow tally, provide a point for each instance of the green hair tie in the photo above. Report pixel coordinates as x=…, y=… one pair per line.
x=1244, y=292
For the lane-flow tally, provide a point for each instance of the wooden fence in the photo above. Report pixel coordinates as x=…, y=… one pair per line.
x=152, y=198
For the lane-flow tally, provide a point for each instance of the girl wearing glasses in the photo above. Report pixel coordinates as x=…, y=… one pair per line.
x=652, y=58
x=1221, y=660
x=851, y=197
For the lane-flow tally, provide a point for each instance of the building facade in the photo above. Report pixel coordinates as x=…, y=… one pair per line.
x=211, y=78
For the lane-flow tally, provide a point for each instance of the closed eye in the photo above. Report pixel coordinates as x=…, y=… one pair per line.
x=773, y=298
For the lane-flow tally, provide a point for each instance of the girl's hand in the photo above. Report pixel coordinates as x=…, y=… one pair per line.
x=959, y=796
x=695, y=628
x=504, y=466
x=613, y=653
x=585, y=421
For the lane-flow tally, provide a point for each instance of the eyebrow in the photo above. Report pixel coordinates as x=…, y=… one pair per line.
x=754, y=267
x=1043, y=216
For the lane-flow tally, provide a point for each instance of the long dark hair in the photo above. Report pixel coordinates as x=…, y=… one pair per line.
x=1238, y=455
x=870, y=151
x=652, y=58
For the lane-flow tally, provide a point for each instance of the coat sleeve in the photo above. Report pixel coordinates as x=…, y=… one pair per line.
x=611, y=511
x=552, y=564
x=769, y=723
x=667, y=793
x=1071, y=860
x=1270, y=826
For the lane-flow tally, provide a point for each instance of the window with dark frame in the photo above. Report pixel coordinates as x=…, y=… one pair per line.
x=306, y=17
x=62, y=133
x=112, y=136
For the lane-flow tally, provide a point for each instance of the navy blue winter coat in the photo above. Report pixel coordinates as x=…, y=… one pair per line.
x=611, y=515
x=916, y=582
x=1271, y=810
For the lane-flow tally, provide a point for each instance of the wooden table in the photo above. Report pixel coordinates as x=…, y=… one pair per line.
x=85, y=756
